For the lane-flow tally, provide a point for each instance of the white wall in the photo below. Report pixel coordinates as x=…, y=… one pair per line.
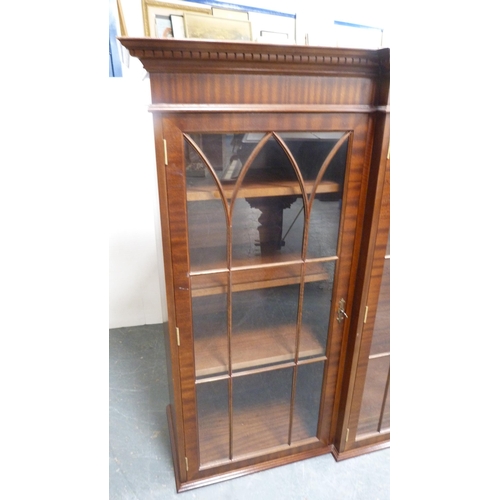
x=134, y=278
x=134, y=292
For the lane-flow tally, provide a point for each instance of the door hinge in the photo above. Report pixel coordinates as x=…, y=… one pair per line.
x=165, y=151
x=187, y=463
x=347, y=435
x=178, y=336
x=366, y=314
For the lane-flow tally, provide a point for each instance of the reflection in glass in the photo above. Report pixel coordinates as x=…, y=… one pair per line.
x=324, y=225
x=307, y=401
x=374, y=396
x=324, y=221
x=381, y=328
x=245, y=233
x=269, y=215
x=261, y=411
x=310, y=150
x=385, y=423
x=256, y=296
x=316, y=307
x=271, y=186
x=264, y=326
x=207, y=224
x=212, y=402
x=210, y=335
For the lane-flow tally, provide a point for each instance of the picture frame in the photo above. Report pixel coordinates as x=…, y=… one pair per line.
x=259, y=19
x=121, y=18
x=153, y=9
x=177, y=26
x=209, y=27
x=273, y=36
x=357, y=36
x=163, y=27
x=230, y=14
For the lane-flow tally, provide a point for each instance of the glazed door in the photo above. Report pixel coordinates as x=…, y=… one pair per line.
x=262, y=216
x=369, y=410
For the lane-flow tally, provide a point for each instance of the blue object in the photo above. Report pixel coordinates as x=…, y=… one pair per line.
x=115, y=66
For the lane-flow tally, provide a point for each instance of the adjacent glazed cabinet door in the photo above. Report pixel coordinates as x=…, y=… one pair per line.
x=366, y=424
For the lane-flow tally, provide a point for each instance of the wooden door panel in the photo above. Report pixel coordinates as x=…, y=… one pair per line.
x=220, y=354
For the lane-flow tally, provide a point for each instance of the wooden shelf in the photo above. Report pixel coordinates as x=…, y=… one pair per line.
x=259, y=429
x=252, y=349
x=258, y=190
x=255, y=278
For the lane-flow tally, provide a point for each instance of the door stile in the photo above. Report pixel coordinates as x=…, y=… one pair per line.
x=187, y=449
x=330, y=380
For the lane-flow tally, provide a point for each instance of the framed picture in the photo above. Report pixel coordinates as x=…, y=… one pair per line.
x=274, y=36
x=216, y=28
x=357, y=36
x=230, y=14
x=121, y=17
x=177, y=26
x=157, y=15
x=163, y=27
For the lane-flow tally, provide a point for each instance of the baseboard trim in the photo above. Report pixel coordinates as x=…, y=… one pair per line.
x=362, y=450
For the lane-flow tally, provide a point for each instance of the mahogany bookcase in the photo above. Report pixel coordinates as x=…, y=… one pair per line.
x=271, y=166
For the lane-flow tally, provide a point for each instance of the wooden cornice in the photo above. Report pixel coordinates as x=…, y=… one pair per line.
x=266, y=108
x=201, y=56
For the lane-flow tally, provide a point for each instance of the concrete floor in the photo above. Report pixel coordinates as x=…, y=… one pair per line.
x=140, y=463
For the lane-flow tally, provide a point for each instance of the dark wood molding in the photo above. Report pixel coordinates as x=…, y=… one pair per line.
x=185, y=55
x=362, y=450
x=264, y=108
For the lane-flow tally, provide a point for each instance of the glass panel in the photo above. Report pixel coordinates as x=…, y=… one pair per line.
x=261, y=411
x=307, y=401
x=245, y=234
x=325, y=212
x=213, y=421
x=210, y=334
x=216, y=148
x=267, y=225
x=264, y=326
x=386, y=419
x=268, y=216
x=381, y=329
x=316, y=308
x=206, y=216
x=310, y=150
x=293, y=228
x=324, y=225
x=372, y=404
x=271, y=187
